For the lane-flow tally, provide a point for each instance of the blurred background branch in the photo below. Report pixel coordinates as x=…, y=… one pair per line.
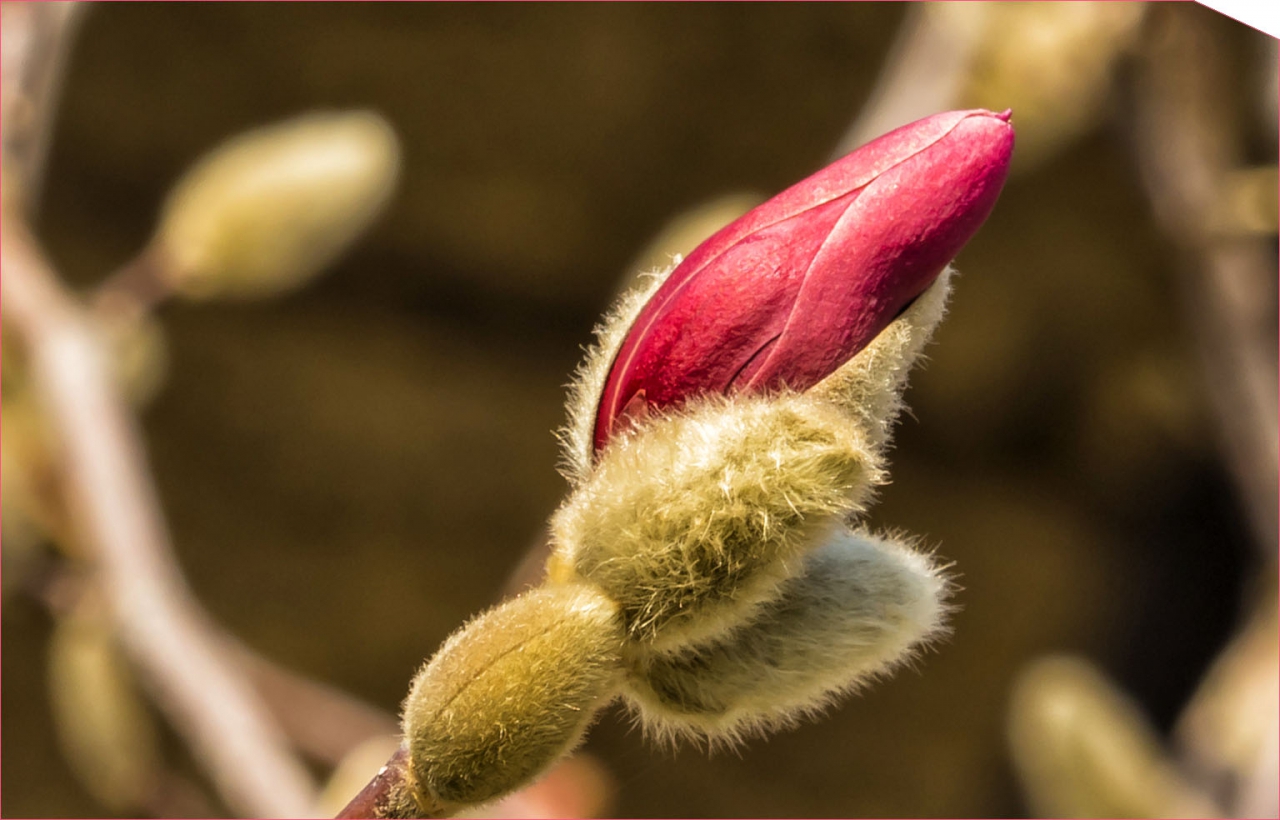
x=104, y=477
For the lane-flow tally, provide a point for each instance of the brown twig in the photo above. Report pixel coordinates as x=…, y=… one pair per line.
x=390, y=794
x=107, y=487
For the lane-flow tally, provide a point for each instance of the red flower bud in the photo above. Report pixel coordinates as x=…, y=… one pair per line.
x=795, y=288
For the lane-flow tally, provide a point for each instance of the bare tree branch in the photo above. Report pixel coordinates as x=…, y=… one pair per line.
x=116, y=510
x=922, y=74
x=110, y=497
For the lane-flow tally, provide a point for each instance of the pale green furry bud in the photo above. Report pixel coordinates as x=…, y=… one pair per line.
x=265, y=211
x=859, y=608
x=692, y=520
x=691, y=523
x=511, y=692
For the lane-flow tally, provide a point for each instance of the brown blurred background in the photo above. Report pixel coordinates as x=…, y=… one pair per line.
x=353, y=470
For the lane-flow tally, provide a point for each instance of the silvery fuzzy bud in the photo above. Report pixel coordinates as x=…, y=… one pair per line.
x=860, y=607
x=268, y=209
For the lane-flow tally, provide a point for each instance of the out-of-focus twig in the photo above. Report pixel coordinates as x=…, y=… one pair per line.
x=114, y=505
x=136, y=288
x=34, y=40
x=109, y=493
x=924, y=73
x=321, y=721
x=1187, y=142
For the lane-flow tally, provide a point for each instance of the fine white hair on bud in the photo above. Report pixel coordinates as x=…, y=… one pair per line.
x=862, y=606
x=692, y=521
x=589, y=379
x=511, y=692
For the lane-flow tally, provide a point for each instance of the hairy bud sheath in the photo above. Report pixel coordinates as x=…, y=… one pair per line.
x=511, y=692
x=700, y=517
x=858, y=608
x=270, y=208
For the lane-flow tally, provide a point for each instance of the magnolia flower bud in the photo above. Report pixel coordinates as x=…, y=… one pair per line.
x=858, y=609
x=265, y=211
x=728, y=476
x=510, y=693
x=788, y=293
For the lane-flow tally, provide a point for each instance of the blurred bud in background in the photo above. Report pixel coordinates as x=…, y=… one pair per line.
x=1083, y=749
x=1049, y=62
x=139, y=355
x=103, y=726
x=1230, y=730
x=26, y=454
x=1052, y=63
x=22, y=527
x=269, y=209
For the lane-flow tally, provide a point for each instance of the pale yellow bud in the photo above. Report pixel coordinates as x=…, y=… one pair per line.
x=103, y=726
x=511, y=692
x=861, y=607
x=270, y=208
x=139, y=354
x=1052, y=63
x=692, y=522
x=1082, y=748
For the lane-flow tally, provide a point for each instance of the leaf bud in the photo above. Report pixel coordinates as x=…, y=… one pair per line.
x=860, y=607
x=511, y=693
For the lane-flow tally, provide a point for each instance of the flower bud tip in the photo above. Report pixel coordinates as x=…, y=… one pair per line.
x=785, y=295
